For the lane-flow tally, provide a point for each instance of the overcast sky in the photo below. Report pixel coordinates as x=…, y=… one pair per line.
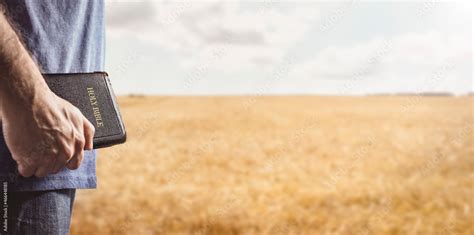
x=288, y=47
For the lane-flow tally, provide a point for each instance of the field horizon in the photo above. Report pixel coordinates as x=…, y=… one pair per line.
x=286, y=165
x=253, y=96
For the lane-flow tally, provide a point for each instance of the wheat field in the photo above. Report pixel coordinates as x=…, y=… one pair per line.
x=286, y=165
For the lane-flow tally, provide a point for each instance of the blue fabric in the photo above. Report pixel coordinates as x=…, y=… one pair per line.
x=63, y=36
x=42, y=212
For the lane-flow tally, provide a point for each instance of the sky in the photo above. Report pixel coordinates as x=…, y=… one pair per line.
x=289, y=47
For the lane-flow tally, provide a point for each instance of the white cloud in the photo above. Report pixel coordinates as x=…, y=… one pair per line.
x=254, y=36
x=408, y=58
x=230, y=46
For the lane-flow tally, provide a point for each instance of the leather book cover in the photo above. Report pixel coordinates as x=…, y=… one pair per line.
x=92, y=93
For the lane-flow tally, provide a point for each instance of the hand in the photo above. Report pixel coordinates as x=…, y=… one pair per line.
x=46, y=135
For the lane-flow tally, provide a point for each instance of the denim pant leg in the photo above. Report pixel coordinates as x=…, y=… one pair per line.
x=40, y=212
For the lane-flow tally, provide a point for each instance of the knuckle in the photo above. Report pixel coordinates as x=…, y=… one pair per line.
x=88, y=124
x=76, y=110
x=90, y=129
x=81, y=141
x=54, y=151
x=68, y=152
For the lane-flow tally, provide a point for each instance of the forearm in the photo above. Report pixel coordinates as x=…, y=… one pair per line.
x=43, y=132
x=21, y=81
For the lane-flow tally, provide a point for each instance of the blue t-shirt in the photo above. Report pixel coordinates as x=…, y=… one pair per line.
x=63, y=36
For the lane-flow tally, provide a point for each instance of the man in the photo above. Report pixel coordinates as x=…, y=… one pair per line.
x=45, y=142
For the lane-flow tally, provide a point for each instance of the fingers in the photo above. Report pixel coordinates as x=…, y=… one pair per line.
x=65, y=150
x=89, y=132
x=62, y=159
x=25, y=171
x=84, y=143
x=76, y=160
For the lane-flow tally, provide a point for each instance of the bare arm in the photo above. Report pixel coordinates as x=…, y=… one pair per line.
x=20, y=78
x=43, y=132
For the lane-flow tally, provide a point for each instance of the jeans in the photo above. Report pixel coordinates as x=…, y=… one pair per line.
x=39, y=212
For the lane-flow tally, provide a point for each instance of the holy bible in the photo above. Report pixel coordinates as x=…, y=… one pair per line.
x=92, y=93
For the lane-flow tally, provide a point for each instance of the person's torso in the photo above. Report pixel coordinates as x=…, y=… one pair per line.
x=63, y=36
